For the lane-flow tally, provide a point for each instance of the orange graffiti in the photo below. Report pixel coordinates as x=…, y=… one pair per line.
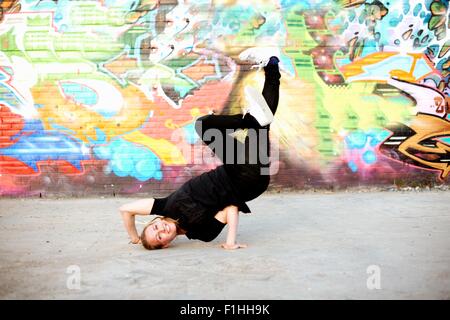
x=200, y=71
x=9, y=6
x=83, y=122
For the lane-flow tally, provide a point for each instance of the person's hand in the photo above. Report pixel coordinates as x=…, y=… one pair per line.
x=136, y=241
x=233, y=246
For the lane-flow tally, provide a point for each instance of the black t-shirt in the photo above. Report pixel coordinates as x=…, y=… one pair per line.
x=197, y=201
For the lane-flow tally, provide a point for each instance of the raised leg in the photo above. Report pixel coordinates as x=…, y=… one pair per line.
x=212, y=127
x=215, y=130
x=271, y=90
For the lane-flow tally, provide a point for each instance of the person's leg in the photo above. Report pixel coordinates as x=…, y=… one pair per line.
x=223, y=122
x=260, y=138
x=209, y=127
x=252, y=176
x=271, y=90
x=215, y=130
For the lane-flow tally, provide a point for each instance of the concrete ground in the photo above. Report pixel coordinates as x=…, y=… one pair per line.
x=301, y=246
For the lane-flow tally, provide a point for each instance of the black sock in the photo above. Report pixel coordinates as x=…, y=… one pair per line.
x=273, y=60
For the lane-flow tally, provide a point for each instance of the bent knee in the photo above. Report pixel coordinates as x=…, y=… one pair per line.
x=201, y=124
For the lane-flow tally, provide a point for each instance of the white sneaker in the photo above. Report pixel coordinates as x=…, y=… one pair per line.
x=258, y=106
x=259, y=56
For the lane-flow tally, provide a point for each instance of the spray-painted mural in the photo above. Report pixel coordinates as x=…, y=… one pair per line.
x=101, y=96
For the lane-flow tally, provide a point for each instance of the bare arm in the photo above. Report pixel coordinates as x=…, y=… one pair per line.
x=230, y=216
x=128, y=212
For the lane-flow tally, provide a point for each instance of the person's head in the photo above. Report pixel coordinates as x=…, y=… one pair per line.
x=159, y=233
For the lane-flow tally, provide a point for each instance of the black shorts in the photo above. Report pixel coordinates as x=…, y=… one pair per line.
x=207, y=230
x=248, y=181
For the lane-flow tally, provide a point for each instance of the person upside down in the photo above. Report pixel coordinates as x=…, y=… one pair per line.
x=205, y=204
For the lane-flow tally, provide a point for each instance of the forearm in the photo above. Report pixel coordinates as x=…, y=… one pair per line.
x=232, y=221
x=128, y=211
x=130, y=225
x=230, y=216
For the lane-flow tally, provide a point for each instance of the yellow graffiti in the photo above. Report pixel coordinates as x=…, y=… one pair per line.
x=195, y=113
x=357, y=67
x=407, y=76
x=351, y=3
x=166, y=151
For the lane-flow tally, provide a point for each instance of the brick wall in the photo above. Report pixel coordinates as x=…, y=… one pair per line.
x=100, y=97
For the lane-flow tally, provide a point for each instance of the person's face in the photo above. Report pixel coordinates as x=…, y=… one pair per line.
x=161, y=232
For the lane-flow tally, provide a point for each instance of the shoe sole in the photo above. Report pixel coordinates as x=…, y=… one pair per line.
x=258, y=105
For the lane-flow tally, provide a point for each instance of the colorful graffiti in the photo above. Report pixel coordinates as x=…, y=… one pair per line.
x=101, y=96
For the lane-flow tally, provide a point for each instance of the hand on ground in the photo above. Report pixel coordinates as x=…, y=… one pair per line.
x=136, y=241
x=233, y=246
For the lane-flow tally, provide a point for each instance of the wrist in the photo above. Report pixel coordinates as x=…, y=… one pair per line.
x=231, y=242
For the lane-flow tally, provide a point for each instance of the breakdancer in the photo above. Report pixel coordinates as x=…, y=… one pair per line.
x=202, y=206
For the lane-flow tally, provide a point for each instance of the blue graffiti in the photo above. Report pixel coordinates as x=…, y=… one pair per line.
x=80, y=93
x=352, y=166
x=232, y=21
x=369, y=157
x=364, y=144
x=190, y=134
x=100, y=137
x=44, y=146
x=7, y=93
x=128, y=159
x=304, y=4
x=31, y=126
x=376, y=136
x=356, y=139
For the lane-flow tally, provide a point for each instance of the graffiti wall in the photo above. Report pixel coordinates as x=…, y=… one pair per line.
x=100, y=97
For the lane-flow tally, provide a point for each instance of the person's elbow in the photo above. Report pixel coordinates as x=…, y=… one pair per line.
x=124, y=211
x=232, y=209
